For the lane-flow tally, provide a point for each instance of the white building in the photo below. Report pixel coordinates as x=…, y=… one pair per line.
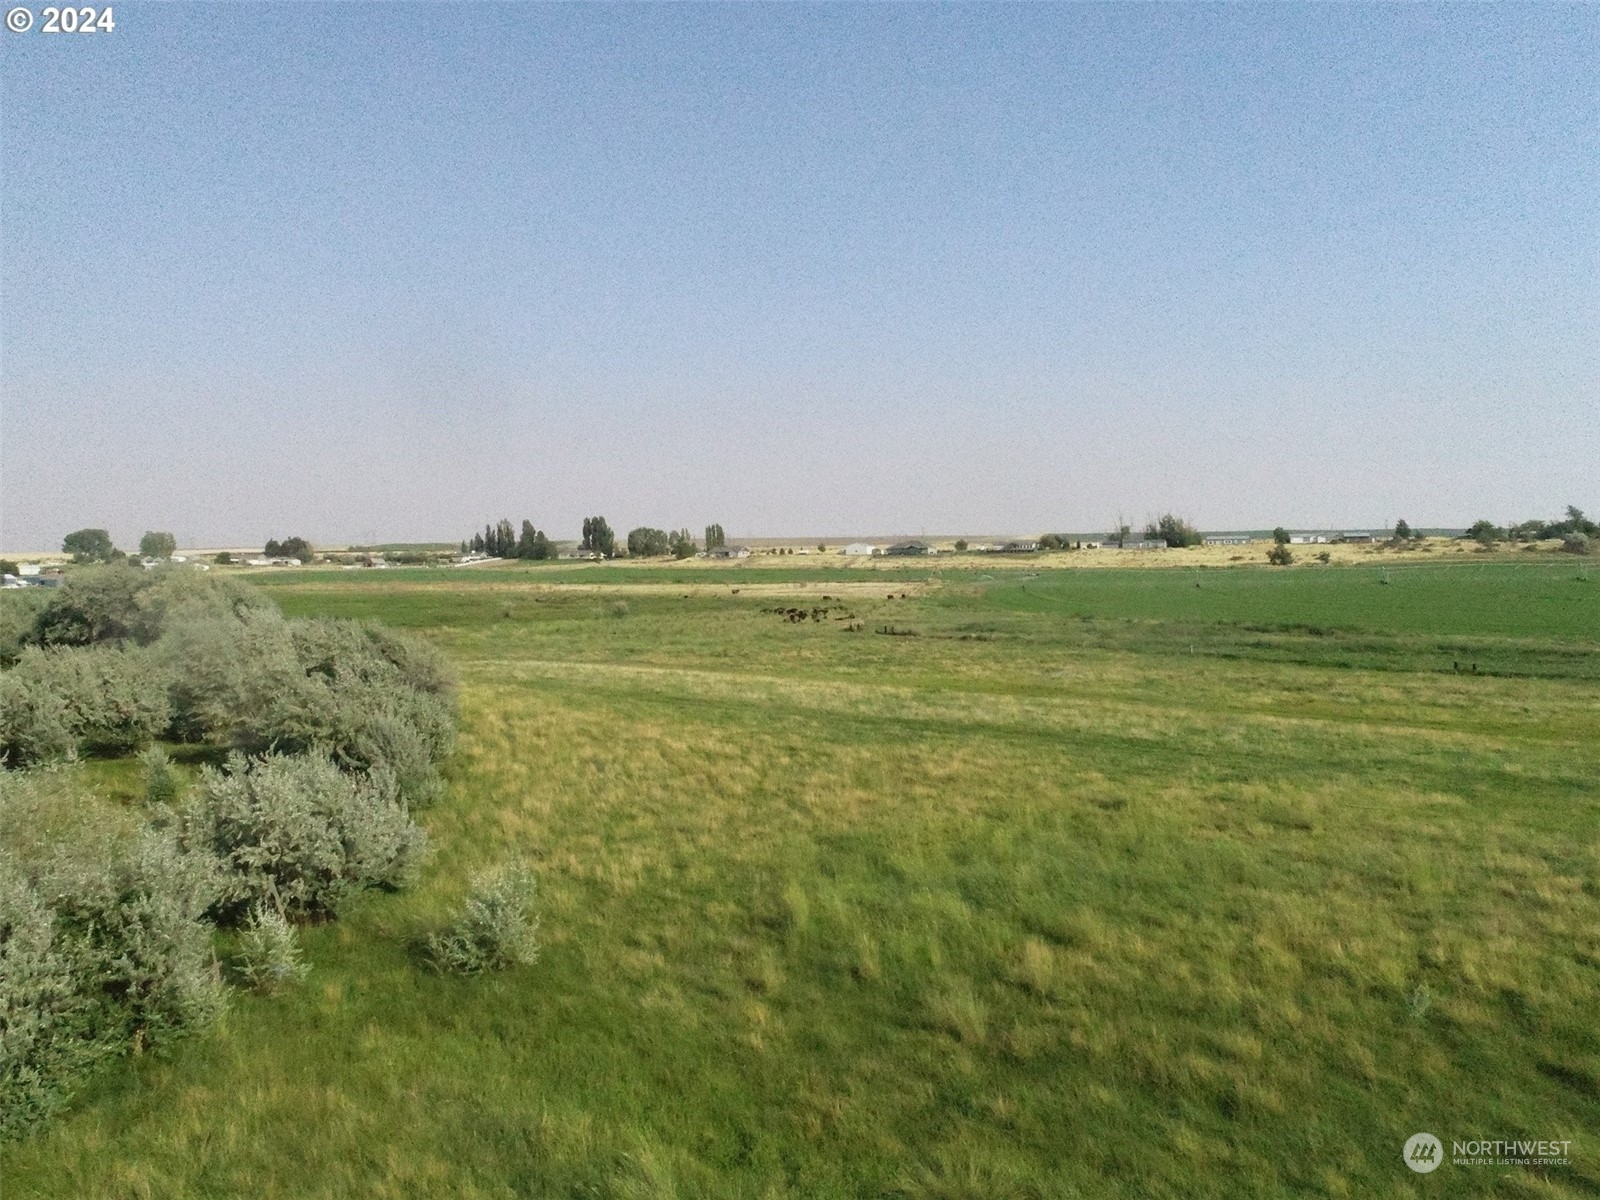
x=860, y=549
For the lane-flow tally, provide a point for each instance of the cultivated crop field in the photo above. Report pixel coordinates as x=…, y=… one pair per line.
x=1035, y=883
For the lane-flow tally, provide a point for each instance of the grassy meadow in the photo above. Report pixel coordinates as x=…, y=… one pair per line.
x=1041, y=882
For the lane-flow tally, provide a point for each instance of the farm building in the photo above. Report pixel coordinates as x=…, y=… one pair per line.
x=860, y=549
x=729, y=552
x=1018, y=546
x=912, y=547
x=1140, y=545
x=1354, y=537
x=1228, y=539
x=1308, y=539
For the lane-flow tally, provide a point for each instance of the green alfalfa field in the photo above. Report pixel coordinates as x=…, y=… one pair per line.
x=1036, y=883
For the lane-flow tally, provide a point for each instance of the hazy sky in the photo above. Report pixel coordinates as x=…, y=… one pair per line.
x=390, y=271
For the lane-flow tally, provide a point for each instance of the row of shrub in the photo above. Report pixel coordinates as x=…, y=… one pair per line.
x=106, y=919
x=105, y=946
x=117, y=657
x=335, y=730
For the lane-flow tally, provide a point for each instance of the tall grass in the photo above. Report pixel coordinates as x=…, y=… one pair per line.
x=1013, y=908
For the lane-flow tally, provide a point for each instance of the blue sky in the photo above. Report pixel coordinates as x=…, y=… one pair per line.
x=389, y=271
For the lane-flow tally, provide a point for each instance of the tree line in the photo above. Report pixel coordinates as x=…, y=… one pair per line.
x=96, y=546
x=499, y=540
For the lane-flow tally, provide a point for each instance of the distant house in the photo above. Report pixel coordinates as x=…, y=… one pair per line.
x=1354, y=537
x=860, y=549
x=27, y=569
x=1140, y=545
x=1228, y=539
x=1018, y=546
x=911, y=547
x=729, y=552
x=1308, y=539
x=585, y=555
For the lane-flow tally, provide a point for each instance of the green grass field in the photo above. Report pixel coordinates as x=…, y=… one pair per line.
x=1094, y=883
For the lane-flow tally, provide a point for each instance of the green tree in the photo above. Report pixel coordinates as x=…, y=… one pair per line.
x=1173, y=530
x=533, y=543
x=598, y=538
x=157, y=545
x=1280, y=536
x=1402, y=532
x=1485, y=533
x=1280, y=555
x=88, y=545
x=295, y=547
x=645, y=542
x=681, y=543
x=961, y=545
x=715, y=537
x=223, y=558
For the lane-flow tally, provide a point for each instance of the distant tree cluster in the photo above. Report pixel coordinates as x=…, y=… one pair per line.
x=295, y=547
x=715, y=537
x=533, y=544
x=90, y=546
x=158, y=545
x=1576, y=532
x=500, y=540
x=1173, y=530
x=598, y=538
x=645, y=542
